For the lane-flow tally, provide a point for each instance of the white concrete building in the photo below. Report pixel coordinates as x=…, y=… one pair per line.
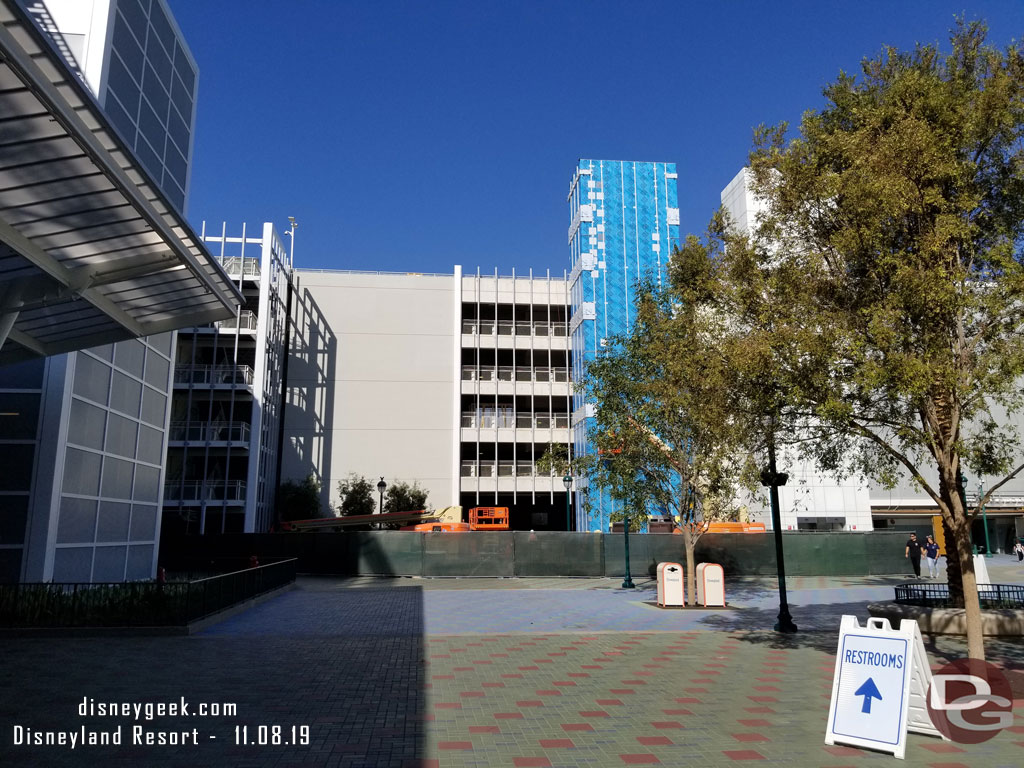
x=456, y=381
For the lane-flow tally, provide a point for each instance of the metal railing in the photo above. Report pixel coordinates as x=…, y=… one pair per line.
x=937, y=595
x=513, y=328
x=502, y=468
x=240, y=266
x=213, y=431
x=506, y=420
x=510, y=373
x=213, y=375
x=137, y=604
x=211, y=490
x=245, y=321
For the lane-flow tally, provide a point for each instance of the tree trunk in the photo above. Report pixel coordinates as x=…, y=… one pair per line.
x=965, y=590
x=690, y=544
x=972, y=605
x=954, y=575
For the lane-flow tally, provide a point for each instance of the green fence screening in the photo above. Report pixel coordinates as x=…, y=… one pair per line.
x=547, y=553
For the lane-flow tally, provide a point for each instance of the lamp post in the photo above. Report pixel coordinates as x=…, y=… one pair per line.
x=984, y=516
x=567, y=482
x=381, y=485
x=772, y=479
x=627, y=583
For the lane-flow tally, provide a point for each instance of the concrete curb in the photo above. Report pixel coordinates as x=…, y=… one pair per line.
x=951, y=621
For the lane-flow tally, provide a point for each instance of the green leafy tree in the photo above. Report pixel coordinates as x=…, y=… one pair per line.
x=299, y=500
x=667, y=432
x=357, y=496
x=889, y=269
x=404, y=497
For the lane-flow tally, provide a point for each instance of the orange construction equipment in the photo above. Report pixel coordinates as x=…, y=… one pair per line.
x=723, y=527
x=488, y=519
x=480, y=519
x=438, y=527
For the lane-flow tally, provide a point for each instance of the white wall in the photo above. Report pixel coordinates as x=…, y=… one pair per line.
x=389, y=379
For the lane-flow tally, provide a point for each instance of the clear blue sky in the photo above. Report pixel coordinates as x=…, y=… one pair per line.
x=411, y=136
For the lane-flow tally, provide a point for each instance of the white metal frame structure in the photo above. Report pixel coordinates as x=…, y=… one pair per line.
x=508, y=415
x=222, y=454
x=91, y=251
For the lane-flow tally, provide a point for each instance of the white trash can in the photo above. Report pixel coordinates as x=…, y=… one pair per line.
x=670, y=585
x=710, y=584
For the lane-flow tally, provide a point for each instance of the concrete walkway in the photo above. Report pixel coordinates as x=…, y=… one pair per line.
x=470, y=672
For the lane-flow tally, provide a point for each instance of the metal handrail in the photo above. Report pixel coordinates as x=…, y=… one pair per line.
x=246, y=321
x=212, y=431
x=134, y=604
x=210, y=490
x=511, y=373
x=246, y=266
x=937, y=595
x=213, y=375
x=513, y=328
x=505, y=420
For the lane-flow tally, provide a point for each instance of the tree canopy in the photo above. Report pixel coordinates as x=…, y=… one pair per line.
x=887, y=266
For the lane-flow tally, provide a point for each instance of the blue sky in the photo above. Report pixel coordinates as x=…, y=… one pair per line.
x=412, y=136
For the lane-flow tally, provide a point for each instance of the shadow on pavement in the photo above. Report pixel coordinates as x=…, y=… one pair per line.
x=352, y=671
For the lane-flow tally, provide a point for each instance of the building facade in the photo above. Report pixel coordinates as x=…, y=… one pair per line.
x=85, y=503
x=225, y=422
x=458, y=382
x=624, y=223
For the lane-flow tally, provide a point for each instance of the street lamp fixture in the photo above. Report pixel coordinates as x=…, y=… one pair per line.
x=381, y=485
x=772, y=479
x=567, y=482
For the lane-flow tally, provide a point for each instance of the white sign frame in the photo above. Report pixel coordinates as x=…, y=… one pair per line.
x=912, y=686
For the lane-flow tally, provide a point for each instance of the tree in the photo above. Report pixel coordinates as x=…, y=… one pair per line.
x=890, y=257
x=357, y=496
x=299, y=500
x=666, y=431
x=404, y=497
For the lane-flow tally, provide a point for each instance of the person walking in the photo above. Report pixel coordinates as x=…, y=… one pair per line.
x=913, y=552
x=1018, y=550
x=931, y=552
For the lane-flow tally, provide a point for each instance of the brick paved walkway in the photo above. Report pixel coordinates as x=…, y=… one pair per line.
x=395, y=673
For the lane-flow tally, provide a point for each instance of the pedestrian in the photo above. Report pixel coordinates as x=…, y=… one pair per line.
x=931, y=551
x=913, y=551
x=1019, y=549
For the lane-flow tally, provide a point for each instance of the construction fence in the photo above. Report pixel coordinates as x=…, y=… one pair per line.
x=544, y=553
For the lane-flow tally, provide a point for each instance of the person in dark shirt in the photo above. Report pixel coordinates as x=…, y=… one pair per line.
x=913, y=552
x=931, y=552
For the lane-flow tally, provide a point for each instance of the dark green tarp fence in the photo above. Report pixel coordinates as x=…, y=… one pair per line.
x=543, y=553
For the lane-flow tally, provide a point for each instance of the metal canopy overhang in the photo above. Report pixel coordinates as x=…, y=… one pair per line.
x=90, y=250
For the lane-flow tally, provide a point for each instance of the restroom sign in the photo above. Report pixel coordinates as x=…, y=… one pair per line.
x=880, y=685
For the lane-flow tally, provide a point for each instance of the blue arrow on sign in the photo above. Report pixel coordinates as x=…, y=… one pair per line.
x=869, y=691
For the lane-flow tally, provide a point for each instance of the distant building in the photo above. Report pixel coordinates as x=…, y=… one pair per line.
x=222, y=455
x=624, y=223
x=456, y=381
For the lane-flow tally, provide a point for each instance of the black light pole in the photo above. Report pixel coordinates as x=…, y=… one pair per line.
x=381, y=485
x=772, y=479
x=627, y=583
x=567, y=482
